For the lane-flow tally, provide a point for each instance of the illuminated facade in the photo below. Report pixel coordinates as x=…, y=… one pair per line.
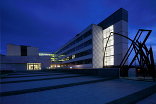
x=88, y=48
x=109, y=50
x=53, y=57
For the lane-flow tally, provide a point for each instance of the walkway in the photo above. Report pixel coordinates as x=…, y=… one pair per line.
x=61, y=88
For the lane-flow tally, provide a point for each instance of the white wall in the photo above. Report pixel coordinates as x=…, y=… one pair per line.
x=97, y=33
x=13, y=50
x=121, y=44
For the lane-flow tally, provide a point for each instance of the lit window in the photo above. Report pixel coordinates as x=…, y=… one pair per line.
x=109, y=52
x=33, y=66
x=73, y=56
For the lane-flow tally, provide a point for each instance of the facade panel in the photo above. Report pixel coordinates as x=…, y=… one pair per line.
x=32, y=51
x=97, y=46
x=121, y=44
x=13, y=50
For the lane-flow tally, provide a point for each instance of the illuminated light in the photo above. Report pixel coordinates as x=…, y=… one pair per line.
x=33, y=66
x=62, y=60
x=109, y=53
x=55, y=66
x=47, y=54
x=58, y=66
x=62, y=55
x=73, y=56
x=70, y=67
x=139, y=70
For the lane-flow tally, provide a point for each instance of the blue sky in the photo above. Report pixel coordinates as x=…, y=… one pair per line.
x=49, y=24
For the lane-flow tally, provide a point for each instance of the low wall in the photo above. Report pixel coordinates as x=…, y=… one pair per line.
x=105, y=72
x=13, y=66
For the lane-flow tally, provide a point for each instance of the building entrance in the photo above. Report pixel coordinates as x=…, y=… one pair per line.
x=33, y=66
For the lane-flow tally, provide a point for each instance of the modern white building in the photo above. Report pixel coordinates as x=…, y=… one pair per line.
x=87, y=49
x=20, y=57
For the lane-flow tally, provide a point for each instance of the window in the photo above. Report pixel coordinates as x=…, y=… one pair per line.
x=33, y=66
x=85, y=35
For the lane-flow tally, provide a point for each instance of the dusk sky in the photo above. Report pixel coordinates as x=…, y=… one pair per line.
x=49, y=24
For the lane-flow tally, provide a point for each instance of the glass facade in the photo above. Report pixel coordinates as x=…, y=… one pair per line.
x=53, y=57
x=66, y=51
x=83, y=45
x=77, y=40
x=109, y=52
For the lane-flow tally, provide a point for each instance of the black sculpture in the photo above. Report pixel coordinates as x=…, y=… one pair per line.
x=143, y=55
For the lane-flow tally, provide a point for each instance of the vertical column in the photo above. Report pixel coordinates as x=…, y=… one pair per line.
x=120, y=43
x=97, y=59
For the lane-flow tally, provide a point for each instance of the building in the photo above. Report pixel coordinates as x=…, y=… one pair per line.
x=86, y=49
x=22, y=58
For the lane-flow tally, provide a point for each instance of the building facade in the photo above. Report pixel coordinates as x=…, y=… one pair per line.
x=53, y=58
x=23, y=58
x=88, y=48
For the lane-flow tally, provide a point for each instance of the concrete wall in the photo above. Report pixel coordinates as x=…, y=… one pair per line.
x=32, y=51
x=107, y=72
x=13, y=50
x=97, y=34
x=120, y=43
x=13, y=66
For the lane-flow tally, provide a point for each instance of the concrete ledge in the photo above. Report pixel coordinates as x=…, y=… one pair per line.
x=10, y=93
x=105, y=72
x=40, y=79
x=135, y=97
x=29, y=76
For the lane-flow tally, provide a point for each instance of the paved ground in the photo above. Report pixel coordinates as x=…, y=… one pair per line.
x=149, y=100
x=60, y=88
